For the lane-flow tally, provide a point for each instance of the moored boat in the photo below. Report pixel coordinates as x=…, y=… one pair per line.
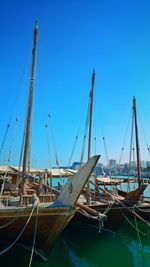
x=18, y=223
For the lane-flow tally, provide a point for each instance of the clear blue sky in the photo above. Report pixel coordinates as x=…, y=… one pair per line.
x=74, y=37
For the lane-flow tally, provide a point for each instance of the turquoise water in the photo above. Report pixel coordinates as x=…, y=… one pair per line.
x=85, y=247
x=80, y=246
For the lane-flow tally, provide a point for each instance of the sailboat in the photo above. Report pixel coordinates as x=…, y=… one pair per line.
x=142, y=207
x=112, y=204
x=24, y=219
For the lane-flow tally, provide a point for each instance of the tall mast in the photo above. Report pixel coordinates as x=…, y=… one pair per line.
x=90, y=127
x=29, y=111
x=91, y=113
x=137, y=142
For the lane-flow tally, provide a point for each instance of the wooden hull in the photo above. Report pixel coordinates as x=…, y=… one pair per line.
x=114, y=217
x=51, y=222
x=51, y=219
x=115, y=214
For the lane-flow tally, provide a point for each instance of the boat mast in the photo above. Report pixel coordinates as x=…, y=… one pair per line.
x=90, y=127
x=137, y=142
x=29, y=111
x=91, y=112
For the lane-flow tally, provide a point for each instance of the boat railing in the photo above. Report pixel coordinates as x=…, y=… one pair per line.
x=43, y=198
x=4, y=200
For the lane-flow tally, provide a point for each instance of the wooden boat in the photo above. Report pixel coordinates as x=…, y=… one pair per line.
x=114, y=207
x=17, y=223
x=27, y=217
x=130, y=204
x=113, y=204
x=142, y=207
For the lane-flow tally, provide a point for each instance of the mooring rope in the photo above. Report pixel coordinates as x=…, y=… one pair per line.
x=110, y=204
x=144, y=234
x=35, y=231
x=13, y=220
x=140, y=242
x=147, y=210
x=23, y=229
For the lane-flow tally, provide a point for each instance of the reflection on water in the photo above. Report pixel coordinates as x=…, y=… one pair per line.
x=80, y=246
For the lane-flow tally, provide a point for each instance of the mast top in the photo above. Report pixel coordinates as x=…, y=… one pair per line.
x=93, y=77
x=36, y=32
x=134, y=103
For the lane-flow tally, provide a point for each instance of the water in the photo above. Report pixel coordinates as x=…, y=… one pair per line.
x=85, y=247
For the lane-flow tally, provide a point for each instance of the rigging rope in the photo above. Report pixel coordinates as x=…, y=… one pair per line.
x=85, y=135
x=148, y=148
x=48, y=144
x=73, y=149
x=106, y=153
x=76, y=139
x=95, y=145
x=13, y=139
x=5, y=135
x=22, y=146
x=54, y=143
x=124, y=141
x=131, y=143
x=20, y=84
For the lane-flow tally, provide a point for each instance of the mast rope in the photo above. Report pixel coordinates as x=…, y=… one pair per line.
x=54, y=146
x=76, y=138
x=85, y=134
x=5, y=135
x=95, y=145
x=131, y=144
x=22, y=146
x=148, y=147
x=54, y=142
x=106, y=153
x=124, y=141
x=73, y=149
x=13, y=139
x=48, y=144
x=20, y=84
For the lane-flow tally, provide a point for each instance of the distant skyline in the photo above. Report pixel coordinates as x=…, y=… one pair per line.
x=75, y=37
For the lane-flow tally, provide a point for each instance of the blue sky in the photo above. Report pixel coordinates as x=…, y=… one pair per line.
x=113, y=37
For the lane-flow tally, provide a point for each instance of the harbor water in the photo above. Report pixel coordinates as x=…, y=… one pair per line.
x=86, y=247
